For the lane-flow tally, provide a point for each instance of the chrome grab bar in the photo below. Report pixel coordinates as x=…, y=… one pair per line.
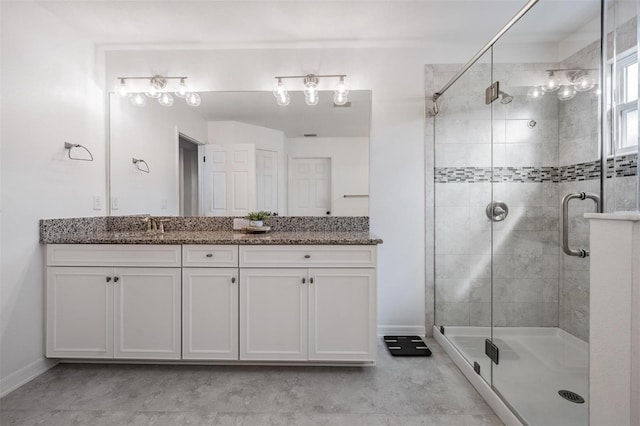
x=565, y=220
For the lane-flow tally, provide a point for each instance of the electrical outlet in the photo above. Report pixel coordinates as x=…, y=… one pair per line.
x=97, y=202
x=239, y=223
x=115, y=203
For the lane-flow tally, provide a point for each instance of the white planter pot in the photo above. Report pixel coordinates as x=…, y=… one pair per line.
x=256, y=223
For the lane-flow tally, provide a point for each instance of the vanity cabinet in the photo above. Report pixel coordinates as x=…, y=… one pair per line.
x=115, y=311
x=210, y=302
x=315, y=303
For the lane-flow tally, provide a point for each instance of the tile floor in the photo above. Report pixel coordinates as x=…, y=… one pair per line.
x=398, y=391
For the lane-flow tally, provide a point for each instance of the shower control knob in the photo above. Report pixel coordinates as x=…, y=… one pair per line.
x=497, y=211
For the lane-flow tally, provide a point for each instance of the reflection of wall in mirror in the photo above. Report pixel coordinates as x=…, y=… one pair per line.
x=149, y=133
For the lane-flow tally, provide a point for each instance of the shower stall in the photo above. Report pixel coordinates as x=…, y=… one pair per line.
x=522, y=149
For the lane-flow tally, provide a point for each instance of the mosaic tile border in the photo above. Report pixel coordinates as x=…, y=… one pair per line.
x=621, y=166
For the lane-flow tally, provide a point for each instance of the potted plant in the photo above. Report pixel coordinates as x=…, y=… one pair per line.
x=256, y=218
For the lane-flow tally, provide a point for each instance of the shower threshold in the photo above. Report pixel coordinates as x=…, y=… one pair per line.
x=535, y=364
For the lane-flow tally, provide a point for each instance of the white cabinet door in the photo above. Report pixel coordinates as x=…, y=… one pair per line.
x=229, y=179
x=147, y=313
x=79, y=312
x=210, y=313
x=342, y=314
x=273, y=314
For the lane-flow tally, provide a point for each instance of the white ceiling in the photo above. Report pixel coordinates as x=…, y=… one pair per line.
x=299, y=22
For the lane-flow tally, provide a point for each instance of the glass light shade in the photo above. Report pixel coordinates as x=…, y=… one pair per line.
x=283, y=100
x=182, y=89
x=165, y=99
x=566, y=92
x=279, y=90
x=584, y=83
x=122, y=88
x=535, y=92
x=138, y=99
x=311, y=98
x=342, y=88
x=152, y=91
x=552, y=84
x=193, y=99
x=340, y=99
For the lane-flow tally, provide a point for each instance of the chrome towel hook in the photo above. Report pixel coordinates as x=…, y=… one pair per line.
x=138, y=161
x=69, y=146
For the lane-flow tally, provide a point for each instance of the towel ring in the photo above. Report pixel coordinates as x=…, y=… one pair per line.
x=138, y=161
x=69, y=146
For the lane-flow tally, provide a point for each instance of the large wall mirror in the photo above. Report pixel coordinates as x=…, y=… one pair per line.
x=240, y=152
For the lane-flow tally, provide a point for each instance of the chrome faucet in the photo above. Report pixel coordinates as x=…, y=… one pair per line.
x=151, y=223
x=161, y=225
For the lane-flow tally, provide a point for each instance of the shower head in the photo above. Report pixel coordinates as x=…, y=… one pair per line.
x=506, y=98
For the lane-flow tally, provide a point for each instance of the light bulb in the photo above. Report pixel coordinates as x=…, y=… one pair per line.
x=311, y=98
x=341, y=94
x=283, y=100
x=152, y=91
x=279, y=90
x=566, y=92
x=552, y=84
x=193, y=99
x=165, y=99
x=584, y=83
x=122, y=88
x=138, y=99
x=535, y=92
x=182, y=89
x=340, y=99
x=311, y=90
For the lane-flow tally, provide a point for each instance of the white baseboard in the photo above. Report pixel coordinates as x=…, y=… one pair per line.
x=27, y=373
x=401, y=330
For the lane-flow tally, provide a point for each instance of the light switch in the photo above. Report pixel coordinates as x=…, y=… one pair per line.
x=115, y=203
x=97, y=202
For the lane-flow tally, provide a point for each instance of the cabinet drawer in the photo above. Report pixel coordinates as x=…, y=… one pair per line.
x=113, y=255
x=219, y=256
x=303, y=256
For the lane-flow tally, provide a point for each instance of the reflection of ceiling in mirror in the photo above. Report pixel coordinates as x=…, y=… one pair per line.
x=296, y=119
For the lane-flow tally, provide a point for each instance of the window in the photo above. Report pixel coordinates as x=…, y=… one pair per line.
x=627, y=108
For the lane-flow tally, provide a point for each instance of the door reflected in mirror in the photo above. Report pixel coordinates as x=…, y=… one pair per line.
x=240, y=152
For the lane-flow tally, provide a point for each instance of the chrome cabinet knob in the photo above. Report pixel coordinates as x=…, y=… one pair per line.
x=209, y=254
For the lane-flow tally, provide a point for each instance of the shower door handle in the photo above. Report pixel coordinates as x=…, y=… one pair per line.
x=565, y=220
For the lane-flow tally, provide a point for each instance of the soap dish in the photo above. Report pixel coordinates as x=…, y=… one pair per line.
x=256, y=229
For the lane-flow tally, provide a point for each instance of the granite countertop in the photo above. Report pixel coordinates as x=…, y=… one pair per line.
x=214, y=237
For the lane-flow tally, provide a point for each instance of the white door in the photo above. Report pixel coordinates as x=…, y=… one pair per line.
x=79, y=312
x=273, y=314
x=147, y=313
x=266, y=180
x=229, y=179
x=342, y=314
x=310, y=187
x=210, y=313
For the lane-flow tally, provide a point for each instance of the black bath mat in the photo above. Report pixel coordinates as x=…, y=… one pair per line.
x=406, y=346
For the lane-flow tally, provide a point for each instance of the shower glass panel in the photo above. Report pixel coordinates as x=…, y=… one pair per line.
x=545, y=145
x=462, y=192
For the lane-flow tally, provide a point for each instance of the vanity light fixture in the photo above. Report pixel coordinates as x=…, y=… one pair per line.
x=157, y=89
x=311, y=93
x=574, y=80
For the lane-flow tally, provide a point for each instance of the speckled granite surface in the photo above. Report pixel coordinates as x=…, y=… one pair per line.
x=213, y=237
x=206, y=230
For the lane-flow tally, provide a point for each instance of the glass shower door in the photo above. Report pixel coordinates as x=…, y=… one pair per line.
x=462, y=191
x=545, y=145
